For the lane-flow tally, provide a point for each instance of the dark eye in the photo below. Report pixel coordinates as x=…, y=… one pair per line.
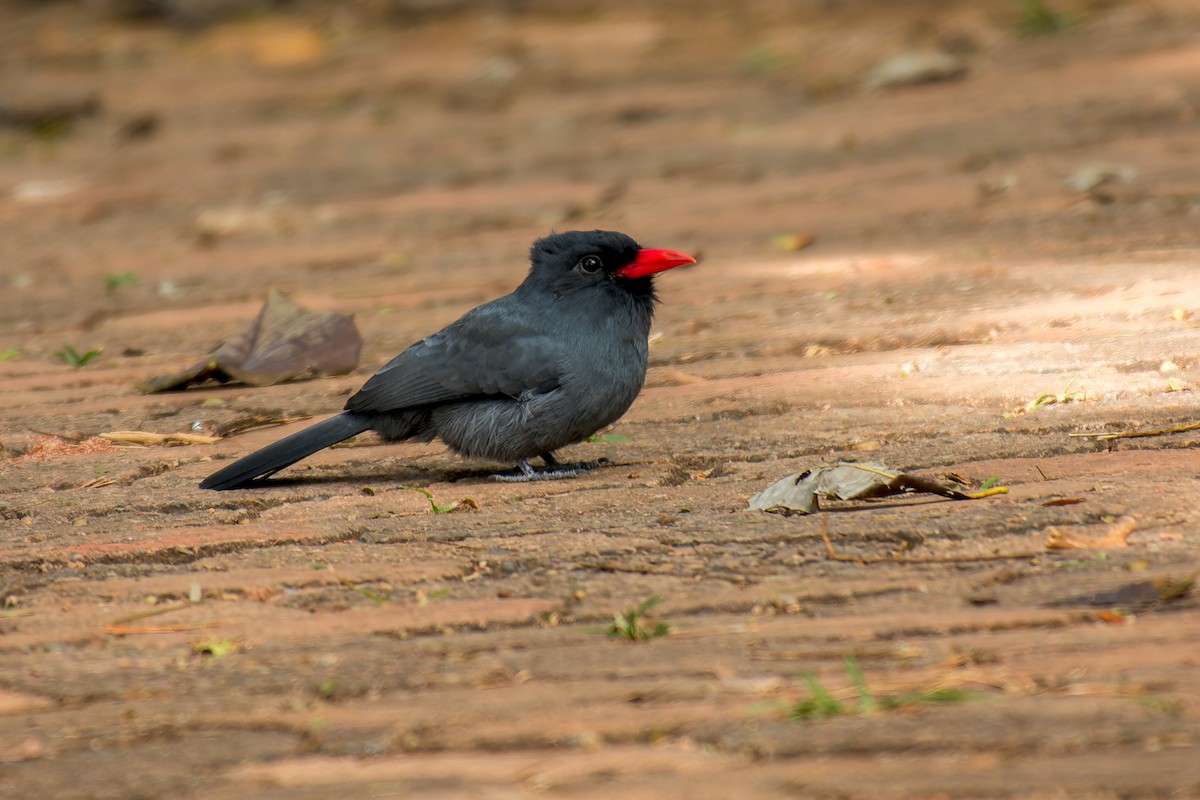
x=590, y=265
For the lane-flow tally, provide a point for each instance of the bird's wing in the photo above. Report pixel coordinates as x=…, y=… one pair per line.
x=489, y=351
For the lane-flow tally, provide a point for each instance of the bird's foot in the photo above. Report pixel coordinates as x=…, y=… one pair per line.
x=554, y=470
x=584, y=466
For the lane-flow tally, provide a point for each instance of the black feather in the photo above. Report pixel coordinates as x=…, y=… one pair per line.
x=288, y=451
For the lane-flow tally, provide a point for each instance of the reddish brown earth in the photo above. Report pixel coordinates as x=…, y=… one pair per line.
x=397, y=166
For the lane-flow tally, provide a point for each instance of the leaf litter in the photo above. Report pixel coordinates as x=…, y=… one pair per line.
x=285, y=342
x=1115, y=534
x=800, y=492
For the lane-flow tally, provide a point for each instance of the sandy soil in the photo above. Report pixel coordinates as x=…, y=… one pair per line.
x=331, y=635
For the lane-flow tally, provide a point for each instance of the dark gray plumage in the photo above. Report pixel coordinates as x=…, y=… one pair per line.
x=547, y=366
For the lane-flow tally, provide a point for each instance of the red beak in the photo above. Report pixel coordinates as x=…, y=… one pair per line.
x=650, y=261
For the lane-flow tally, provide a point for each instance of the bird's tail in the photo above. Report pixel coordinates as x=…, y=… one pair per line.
x=286, y=452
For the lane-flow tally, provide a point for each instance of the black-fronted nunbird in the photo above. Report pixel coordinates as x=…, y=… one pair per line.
x=560, y=358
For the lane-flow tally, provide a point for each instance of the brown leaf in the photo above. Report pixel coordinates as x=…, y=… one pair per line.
x=1115, y=535
x=285, y=342
x=679, y=378
x=846, y=480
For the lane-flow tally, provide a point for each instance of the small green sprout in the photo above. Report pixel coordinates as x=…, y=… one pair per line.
x=821, y=704
x=441, y=509
x=1049, y=399
x=117, y=280
x=69, y=355
x=631, y=624
x=1039, y=19
x=1065, y=396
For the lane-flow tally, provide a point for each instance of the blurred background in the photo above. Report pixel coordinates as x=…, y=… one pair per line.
x=161, y=155
x=150, y=133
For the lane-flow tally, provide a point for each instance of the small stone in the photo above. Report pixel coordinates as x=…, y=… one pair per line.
x=915, y=68
x=1094, y=176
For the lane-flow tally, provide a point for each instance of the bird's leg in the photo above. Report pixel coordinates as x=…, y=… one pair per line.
x=527, y=472
x=579, y=466
x=553, y=470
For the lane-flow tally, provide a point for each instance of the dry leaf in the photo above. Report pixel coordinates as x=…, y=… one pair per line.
x=214, y=224
x=678, y=378
x=285, y=342
x=1094, y=176
x=792, y=242
x=1116, y=535
x=798, y=493
x=917, y=67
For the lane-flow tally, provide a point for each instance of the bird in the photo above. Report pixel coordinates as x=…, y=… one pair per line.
x=558, y=359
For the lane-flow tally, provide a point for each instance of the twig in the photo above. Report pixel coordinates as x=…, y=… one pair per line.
x=126, y=630
x=151, y=438
x=96, y=483
x=836, y=556
x=1106, y=436
x=153, y=612
x=243, y=424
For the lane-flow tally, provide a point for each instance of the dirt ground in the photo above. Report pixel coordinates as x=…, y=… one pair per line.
x=1024, y=230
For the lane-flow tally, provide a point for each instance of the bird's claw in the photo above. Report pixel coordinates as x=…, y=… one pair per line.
x=553, y=470
x=538, y=475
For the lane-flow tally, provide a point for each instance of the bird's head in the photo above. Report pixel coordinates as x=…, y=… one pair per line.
x=567, y=262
